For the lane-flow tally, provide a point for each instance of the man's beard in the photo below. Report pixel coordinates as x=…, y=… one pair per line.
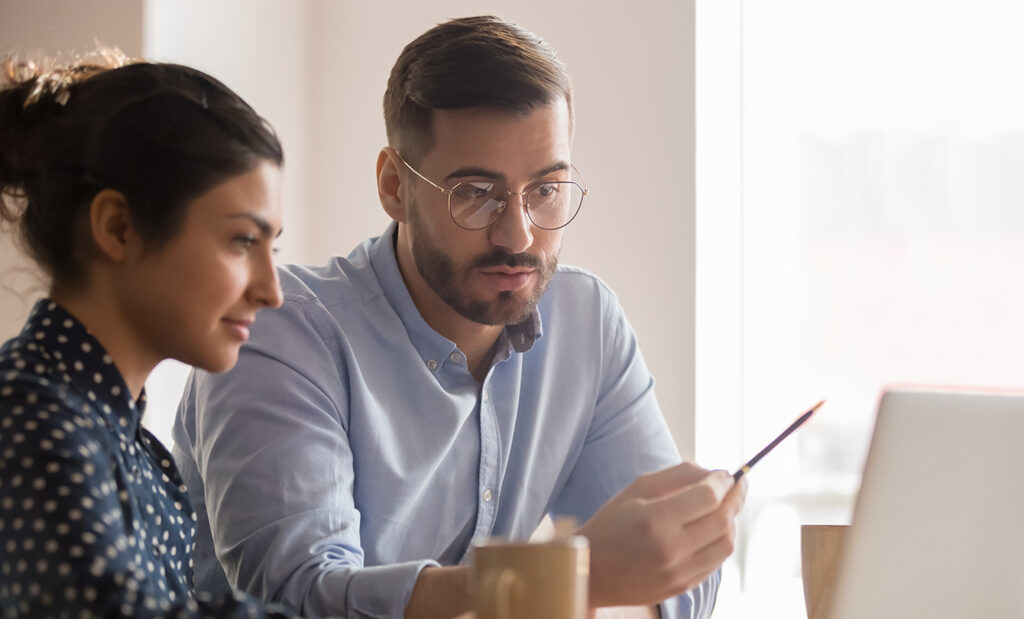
x=438, y=270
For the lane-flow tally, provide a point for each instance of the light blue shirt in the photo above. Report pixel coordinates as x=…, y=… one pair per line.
x=351, y=447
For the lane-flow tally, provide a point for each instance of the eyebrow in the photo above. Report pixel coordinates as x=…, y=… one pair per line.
x=261, y=223
x=498, y=176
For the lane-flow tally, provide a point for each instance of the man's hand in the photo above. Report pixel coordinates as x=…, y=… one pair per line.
x=663, y=535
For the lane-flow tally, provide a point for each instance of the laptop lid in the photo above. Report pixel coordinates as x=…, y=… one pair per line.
x=938, y=526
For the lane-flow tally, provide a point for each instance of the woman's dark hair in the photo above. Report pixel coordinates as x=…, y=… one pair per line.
x=468, y=62
x=161, y=134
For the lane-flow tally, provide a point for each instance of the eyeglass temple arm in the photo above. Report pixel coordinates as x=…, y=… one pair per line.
x=425, y=179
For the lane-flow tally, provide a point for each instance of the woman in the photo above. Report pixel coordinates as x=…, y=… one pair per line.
x=149, y=193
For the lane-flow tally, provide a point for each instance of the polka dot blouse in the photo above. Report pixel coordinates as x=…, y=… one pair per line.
x=94, y=518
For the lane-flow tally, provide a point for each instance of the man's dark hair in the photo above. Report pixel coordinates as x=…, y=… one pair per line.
x=479, y=61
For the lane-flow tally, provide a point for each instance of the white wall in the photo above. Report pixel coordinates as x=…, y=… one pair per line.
x=317, y=71
x=47, y=28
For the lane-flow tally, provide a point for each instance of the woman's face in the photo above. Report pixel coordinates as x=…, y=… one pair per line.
x=194, y=298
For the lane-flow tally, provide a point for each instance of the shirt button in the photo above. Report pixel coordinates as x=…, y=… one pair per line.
x=456, y=357
x=487, y=495
x=431, y=364
x=487, y=396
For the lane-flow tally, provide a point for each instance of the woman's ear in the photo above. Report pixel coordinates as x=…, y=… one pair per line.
x=110, y=222
x=389, y=184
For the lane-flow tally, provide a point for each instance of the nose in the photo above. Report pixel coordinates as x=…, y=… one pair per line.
x=513, y=230
x=264, y=285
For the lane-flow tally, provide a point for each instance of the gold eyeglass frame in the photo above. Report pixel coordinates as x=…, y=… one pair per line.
x=522, y=196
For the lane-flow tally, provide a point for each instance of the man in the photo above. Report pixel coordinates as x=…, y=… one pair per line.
x=448, y=381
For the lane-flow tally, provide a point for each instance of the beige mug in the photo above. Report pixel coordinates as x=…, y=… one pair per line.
x=514, y=580
x=820, y=548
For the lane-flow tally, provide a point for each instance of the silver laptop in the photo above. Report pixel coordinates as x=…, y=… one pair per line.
x=938, y=527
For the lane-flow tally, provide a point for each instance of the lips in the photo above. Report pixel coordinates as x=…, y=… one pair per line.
x=239, y=328
x=507, y=279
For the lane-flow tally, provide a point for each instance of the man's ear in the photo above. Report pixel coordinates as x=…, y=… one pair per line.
x=389, y=184
x=110, y=222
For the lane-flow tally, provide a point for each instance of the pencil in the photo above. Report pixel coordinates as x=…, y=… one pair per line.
x=743, y=470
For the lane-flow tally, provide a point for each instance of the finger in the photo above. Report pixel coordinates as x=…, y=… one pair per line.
x=700, y=566
x=695, y=501
x=706, y=531
x=666, y=481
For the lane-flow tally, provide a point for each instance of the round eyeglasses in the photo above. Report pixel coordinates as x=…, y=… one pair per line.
x=476, y=204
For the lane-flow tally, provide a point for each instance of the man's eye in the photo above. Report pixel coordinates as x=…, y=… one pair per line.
x=473, y=191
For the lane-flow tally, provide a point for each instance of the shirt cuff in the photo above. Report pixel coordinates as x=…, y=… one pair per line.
x=383, y=590
x=697, y=603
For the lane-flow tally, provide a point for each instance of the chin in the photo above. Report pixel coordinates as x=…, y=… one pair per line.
x=216, y=362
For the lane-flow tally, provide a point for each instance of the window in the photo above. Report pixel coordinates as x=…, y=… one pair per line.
x=860, y=214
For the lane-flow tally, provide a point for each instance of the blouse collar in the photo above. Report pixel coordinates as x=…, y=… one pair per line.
x=82, y=363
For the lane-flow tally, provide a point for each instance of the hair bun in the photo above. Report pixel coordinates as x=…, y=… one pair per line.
x=51, y=78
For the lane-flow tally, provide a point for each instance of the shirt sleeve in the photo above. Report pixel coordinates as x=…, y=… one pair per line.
x=271, y=445
x=627, y=437
x=65, y=548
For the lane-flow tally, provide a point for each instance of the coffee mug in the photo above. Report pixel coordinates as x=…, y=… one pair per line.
x=514, y=580
x=820, y=549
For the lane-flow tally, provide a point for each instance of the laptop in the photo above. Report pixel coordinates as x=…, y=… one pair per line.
x=938, y=526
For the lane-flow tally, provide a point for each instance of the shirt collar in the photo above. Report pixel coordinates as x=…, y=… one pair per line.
x=82, y=363
x=429, y=343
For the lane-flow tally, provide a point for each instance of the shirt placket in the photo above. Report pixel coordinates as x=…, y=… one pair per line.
x=490, y=455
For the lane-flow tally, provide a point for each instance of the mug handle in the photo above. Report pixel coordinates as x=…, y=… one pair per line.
x=496, y=592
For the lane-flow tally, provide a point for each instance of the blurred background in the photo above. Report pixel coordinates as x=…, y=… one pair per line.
x=793, y=199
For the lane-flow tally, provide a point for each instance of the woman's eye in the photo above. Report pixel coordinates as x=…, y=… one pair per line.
x=246, y=241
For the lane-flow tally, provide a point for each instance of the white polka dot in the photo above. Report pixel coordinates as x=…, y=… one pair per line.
x=97, y=378
x=115, y=390
x=40, y=335
x=86, y=347
x=68, y=324
x=78, y=365
x=62, y=339
x=47, y=322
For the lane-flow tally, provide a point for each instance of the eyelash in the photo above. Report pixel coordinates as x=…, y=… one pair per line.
x=248, y=241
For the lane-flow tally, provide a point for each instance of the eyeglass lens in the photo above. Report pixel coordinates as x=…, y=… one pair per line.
x=478, y=204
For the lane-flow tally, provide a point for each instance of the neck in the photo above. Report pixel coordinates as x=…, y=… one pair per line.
x=98, y=310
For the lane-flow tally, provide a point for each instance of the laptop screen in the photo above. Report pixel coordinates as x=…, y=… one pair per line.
x=938, y=527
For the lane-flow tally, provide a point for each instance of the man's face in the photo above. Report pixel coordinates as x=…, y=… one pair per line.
x=496, y=275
